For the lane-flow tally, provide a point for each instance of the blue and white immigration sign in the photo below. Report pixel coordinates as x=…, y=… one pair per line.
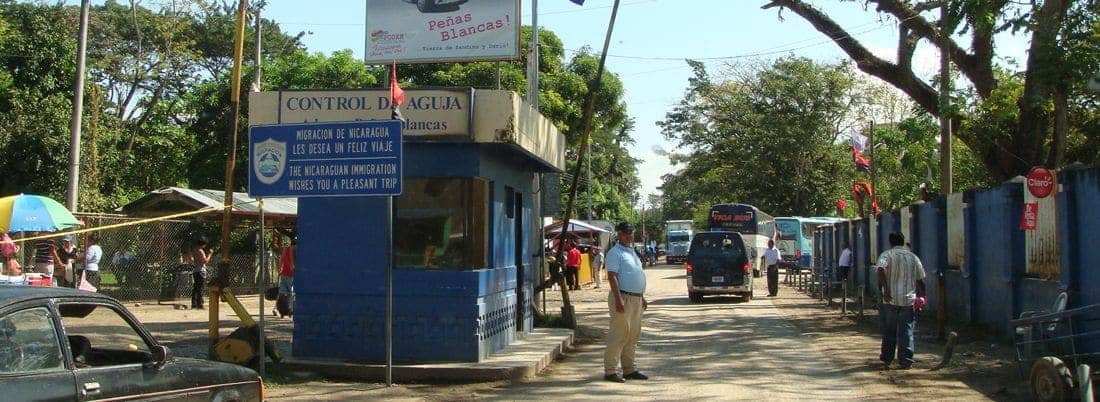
x=325, y=159
x=419, y=31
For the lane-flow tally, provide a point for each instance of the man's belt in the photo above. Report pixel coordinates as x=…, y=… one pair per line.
x=630, y=293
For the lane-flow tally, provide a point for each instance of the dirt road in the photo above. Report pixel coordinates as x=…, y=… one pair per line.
x=789, y=347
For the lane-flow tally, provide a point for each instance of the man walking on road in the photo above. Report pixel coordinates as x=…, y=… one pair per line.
x=626, y=301
x=902, y=277
x=771, y=261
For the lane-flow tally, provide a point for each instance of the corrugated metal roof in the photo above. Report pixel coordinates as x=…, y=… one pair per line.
x=178, y=199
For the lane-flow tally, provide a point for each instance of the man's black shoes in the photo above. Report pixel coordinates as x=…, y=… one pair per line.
x=614, y=377
x=637, y=375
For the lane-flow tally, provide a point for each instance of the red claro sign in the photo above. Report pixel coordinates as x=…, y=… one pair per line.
x=1040, y=182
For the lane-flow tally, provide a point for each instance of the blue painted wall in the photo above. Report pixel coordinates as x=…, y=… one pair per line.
x=929, y=241
x=994, y=288
x=439, y=315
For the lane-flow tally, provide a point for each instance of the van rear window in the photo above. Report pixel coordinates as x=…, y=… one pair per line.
x=710, y=245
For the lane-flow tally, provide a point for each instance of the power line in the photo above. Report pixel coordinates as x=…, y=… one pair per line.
x=764, y=52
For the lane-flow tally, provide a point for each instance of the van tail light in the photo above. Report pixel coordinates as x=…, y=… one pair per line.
x=745, y=268
x=688, y=267
x=798, y=254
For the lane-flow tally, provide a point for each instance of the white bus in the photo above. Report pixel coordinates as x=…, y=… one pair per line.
x=755, y=227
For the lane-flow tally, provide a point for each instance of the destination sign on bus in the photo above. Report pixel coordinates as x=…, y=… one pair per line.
x=721, y=217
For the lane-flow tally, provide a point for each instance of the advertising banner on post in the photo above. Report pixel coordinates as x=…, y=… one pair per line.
x=430, y=31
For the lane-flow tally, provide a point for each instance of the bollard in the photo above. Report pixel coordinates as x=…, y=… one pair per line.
x=1084, y=379
x=844, y=298
x=860, y=302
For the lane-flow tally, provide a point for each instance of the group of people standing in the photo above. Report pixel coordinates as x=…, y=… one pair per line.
x=58, y=259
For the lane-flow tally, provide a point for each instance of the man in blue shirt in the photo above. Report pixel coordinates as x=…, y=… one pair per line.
x=625, y=302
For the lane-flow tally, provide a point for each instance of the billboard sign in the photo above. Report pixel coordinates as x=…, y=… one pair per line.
x=429, y=31
x=325, y=159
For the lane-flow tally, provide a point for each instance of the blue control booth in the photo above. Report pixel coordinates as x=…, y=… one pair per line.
x=465, y=228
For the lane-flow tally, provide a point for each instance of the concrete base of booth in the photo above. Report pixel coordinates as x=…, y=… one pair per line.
x=524, y=358
x=438, y=316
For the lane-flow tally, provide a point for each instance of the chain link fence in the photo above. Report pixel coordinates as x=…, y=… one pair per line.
x=142, y=262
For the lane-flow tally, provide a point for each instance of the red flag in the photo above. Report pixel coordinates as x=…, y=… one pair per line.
x=397, y=95
x=861, y=162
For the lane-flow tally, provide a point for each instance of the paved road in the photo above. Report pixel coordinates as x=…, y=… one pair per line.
x=724, y=348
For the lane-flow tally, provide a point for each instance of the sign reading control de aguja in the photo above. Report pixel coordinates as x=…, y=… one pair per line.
x=417, y=31
x=429, y=113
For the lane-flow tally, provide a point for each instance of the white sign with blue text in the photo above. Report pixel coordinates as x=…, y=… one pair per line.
x=359, y=158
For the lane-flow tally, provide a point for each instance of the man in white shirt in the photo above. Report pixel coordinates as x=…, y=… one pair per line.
x=771, y=261
x=901, y=275
x=844, y=263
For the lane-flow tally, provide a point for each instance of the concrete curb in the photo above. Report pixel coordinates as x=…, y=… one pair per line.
x=523, y=359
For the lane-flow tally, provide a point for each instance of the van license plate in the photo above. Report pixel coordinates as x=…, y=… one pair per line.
x=717, y=279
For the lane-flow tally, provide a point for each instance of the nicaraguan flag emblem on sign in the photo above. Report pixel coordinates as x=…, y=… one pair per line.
x=270, y=156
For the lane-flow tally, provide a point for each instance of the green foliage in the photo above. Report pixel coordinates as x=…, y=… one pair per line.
x=768, y=138
x=157, y=110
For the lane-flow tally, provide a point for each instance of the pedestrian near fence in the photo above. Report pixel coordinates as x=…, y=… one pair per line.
x=197, y=257
x=597, y=264
x=844, y=263
x=901, y=275
x=626, y=302
x=771, y=262
x=92, y=257
x=45, y=256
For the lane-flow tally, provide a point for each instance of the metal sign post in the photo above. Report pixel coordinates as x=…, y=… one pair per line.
x=263, y=285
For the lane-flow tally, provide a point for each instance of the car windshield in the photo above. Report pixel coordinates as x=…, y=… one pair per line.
x=726, y=246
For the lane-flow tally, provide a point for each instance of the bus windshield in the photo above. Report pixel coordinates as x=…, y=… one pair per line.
x=789, y=228
x=677, y=238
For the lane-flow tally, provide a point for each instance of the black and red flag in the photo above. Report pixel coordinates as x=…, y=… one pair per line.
x=859, y=144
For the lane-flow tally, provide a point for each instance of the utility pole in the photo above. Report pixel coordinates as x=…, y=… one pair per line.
x=257, y=84
x=78, y=109
x=568, y=315
x=945, y=100
x=588, y=167
x=533, y=59
x=231, y=152
x=945, y=160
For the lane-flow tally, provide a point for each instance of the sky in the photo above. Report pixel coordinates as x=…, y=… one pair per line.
x=649, y=43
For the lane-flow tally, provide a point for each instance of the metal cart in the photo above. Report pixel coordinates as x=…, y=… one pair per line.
x=1060, y=347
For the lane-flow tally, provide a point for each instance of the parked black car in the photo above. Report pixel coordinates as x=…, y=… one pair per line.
x=718, y=263
x=59, y=344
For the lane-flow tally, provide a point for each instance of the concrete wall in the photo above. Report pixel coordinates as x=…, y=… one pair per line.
x=983, y=261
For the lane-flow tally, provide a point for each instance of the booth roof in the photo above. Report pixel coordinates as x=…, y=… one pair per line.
x=178, y=199
x=575, y=226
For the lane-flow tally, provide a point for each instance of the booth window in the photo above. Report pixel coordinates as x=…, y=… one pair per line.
x=442, y=223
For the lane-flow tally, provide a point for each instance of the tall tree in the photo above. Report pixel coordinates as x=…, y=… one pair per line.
x=1059, y=58
x=767, y=138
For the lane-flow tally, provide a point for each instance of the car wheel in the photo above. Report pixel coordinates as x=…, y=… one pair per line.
x=1051, y=380
x=426, y=6
x=695, y=297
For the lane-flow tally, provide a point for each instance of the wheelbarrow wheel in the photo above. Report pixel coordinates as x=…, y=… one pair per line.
x=1051, y=380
